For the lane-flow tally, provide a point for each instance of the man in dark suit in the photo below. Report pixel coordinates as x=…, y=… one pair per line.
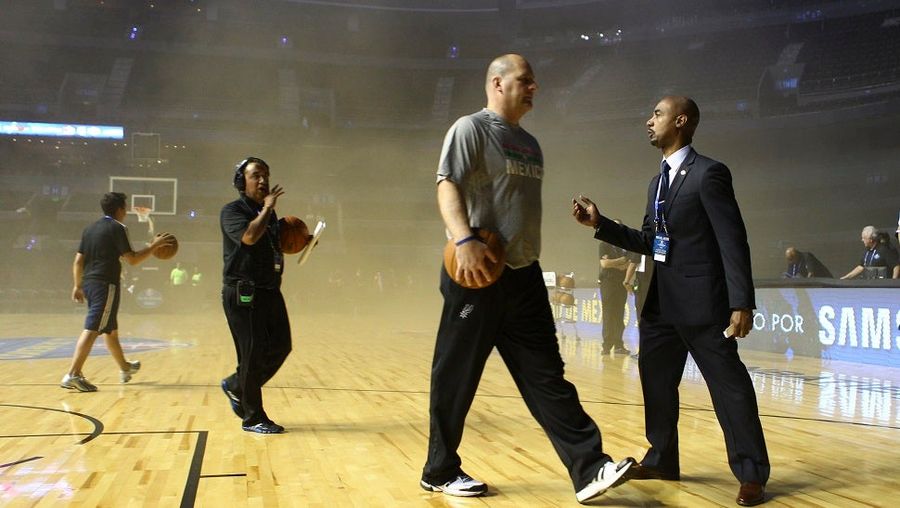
x=701, y=289
x=803, y=265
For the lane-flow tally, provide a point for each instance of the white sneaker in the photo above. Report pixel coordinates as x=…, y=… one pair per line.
x=610, y=475
x=133, y=367
x=77, y=383
x=463, y=485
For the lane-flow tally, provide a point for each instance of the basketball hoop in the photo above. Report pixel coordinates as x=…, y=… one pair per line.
x=142, y=212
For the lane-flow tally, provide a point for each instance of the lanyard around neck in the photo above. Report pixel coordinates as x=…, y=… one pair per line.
x=662, y=189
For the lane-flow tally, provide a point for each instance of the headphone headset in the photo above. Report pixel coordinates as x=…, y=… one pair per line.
x=239, y=183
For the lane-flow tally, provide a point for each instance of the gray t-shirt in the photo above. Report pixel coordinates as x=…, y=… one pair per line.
x=498, y=168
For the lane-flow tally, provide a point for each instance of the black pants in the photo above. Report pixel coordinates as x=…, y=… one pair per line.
x=643, y=287
x=514, y=316
x=613, y=295
x=262, y=340
x=663, y=353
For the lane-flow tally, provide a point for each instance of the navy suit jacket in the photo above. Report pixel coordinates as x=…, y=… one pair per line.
x=707, y=272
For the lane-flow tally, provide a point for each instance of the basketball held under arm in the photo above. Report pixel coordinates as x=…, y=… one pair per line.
x=453, y=210
x=470, y=255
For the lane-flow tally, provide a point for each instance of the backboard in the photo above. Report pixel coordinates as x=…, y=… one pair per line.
x=160, y=195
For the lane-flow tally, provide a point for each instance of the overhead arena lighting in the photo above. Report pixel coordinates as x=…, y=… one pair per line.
x=61, y=130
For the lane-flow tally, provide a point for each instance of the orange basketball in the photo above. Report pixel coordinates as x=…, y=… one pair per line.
x=493, y=244
x=166, y=251
x=565, y=282
x=293, y=234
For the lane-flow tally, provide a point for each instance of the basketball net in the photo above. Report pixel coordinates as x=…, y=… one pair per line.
x=143, y=213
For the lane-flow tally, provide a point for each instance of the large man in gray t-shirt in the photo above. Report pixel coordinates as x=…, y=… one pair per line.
x=489, y=177
x=498, y=168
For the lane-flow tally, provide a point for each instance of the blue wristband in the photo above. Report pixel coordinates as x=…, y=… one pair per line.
x=467, y=239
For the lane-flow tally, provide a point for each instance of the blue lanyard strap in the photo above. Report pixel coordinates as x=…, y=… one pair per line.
x=870, y=255
x=661, y=190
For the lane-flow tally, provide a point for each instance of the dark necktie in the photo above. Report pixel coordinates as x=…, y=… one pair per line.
x=664, y=179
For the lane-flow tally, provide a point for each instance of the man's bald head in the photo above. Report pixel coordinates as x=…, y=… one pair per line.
x=791, y=254
x=686, y=106
x=510, y=87
x=503, y=65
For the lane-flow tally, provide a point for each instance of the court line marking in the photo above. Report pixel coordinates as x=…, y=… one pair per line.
x=424, y=392
x=583, y=401
x=192, y=482
x=189, y=496
x=20, y=461
x=588, y=401
x=60, y=434
x=98, y=425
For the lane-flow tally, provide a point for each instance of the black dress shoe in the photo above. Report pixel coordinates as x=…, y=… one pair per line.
x=751, y=494
x=641, y=472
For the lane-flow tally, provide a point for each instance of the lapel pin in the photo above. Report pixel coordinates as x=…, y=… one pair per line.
x=683, y=172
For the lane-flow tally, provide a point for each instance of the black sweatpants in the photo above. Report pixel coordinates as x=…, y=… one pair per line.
x=514, y=316
x=262, y=340
x=613, y=296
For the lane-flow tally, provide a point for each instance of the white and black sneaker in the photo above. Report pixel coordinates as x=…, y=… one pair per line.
x=264, y=428
x=133, y=367
x=233, y=400
x=610, y=475
x=620, y=350
x=463, y=485
x=77, y=382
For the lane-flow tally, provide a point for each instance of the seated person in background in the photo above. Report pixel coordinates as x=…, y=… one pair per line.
x=892, y=256
x=875, y=255
x=803, y=265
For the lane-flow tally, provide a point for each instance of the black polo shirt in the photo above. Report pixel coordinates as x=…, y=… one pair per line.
x=613, y=252
x=249, y=262
x=878, y=256
x=102, y=244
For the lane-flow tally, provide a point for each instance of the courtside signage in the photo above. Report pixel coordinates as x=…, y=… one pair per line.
x=850, y=324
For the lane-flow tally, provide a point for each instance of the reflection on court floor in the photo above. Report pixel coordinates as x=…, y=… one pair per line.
x=28, y=348
x=837, y=390
x=354, y=395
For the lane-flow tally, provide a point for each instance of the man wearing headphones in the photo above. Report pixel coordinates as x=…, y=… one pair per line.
x=251, y=293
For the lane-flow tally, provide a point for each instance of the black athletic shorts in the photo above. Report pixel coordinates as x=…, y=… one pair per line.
x=103, y=306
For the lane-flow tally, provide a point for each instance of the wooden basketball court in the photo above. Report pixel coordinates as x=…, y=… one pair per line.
x=353, y=396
